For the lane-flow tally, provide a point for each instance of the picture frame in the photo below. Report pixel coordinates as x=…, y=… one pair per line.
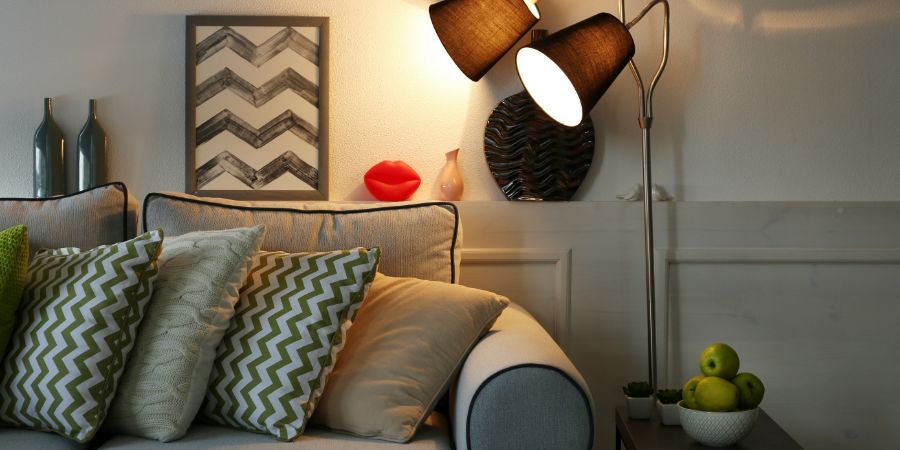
x=256, y=109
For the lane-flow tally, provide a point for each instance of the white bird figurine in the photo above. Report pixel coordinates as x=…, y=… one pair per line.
x=637, y=193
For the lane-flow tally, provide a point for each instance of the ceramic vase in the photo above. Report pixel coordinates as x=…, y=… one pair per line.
x=531, y=156
x=449, y=180
x=92, y=148
x=49, y=169
x=639, y=407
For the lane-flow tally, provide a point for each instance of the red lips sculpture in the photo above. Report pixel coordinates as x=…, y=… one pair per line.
x=392, y=181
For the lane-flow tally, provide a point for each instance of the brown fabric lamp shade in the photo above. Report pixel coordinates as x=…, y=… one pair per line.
x=568, y=72
x=477, y=33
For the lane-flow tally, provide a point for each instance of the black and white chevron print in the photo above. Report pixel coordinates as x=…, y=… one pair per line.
x=284, y=122
x=288, y=162
x=257, y=108
x=285, y=38
x=258, y=96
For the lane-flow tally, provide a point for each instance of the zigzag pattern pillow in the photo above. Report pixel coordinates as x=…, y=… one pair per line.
x=77, y=324
x=290, y=323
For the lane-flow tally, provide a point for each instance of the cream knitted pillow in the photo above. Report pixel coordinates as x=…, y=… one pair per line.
x=193, y=301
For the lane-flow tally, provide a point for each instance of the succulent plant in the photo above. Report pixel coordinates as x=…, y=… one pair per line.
x=637, y=389
x=668, y=396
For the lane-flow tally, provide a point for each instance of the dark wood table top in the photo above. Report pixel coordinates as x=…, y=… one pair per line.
x=653, y=435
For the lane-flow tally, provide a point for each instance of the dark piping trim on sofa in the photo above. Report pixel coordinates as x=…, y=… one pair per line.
x=453, y=209
x=587, y=403
x=117, y=184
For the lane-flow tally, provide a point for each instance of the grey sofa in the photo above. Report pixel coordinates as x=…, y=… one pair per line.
x=516, y=389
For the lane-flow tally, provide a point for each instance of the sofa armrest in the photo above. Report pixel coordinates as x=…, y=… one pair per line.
x=518, y=390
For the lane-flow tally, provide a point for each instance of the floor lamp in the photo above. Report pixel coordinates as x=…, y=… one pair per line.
x=566, y=74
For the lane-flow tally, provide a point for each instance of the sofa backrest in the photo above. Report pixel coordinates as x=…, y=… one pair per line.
x=420, y=240
x=103, y=215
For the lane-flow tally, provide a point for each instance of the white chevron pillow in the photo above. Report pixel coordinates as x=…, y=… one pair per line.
x=77, y=326
x=289, y=325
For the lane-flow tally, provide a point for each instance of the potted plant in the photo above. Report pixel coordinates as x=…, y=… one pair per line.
x=667, y=402
x=638, y=395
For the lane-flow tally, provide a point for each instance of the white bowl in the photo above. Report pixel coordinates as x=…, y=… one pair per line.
x=717, y=429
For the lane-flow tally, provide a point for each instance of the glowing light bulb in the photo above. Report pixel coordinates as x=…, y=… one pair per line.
x=549, y=86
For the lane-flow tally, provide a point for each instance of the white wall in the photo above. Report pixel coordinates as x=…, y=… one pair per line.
x=763, y=100
x=808, y=294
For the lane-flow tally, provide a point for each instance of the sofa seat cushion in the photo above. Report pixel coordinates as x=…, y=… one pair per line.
x=434, y=435
x=24, y=439
x=103, y=215
x=420, y=240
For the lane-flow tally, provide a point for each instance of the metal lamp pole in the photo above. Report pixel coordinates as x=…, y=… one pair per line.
x=646, y=122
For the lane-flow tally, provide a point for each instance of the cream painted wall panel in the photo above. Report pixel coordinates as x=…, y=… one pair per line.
x=763, y=100
x=832, y=316
x=822, y=337
x=539, y=279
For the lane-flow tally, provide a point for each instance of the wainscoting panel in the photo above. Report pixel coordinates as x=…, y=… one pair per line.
x=806, y=321
x=808, y=293
x=538, y=279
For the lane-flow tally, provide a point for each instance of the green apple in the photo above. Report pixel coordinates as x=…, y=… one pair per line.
x=750, y=389
x=688, y=392
x=716, y=394
x=719, y=360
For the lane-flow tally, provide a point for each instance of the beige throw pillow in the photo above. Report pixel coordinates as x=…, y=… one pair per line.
x=407, y=343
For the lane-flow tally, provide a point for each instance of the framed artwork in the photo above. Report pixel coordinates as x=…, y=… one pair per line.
x=257, y=107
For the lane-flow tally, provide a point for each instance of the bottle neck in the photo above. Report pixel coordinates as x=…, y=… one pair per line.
x=92, y=108
x=48, y=106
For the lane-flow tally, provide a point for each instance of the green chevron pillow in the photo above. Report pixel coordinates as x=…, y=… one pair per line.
x=290, y=323
x=77, y=324
x=13, y=270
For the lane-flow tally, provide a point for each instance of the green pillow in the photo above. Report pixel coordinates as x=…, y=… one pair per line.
x=13, y=270
x=290, y=322
x=76, y=328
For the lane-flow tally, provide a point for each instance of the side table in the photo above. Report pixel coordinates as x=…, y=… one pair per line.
x=653, y=435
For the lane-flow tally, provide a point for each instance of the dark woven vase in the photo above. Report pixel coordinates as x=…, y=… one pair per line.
x=531, y=156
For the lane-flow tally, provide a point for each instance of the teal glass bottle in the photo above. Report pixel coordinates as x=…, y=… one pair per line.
x=92, y=148
x=49, y=145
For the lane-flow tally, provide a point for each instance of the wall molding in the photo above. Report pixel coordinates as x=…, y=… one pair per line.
x=666, y=258
x=560, y=259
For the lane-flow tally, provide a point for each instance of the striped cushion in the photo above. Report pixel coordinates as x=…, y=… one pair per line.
x=100, y=216
x=420, y=240
x=78, y=320
x=289, y=325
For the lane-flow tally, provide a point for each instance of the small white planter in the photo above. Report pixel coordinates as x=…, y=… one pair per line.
x=639, y=407
x=668, y=414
